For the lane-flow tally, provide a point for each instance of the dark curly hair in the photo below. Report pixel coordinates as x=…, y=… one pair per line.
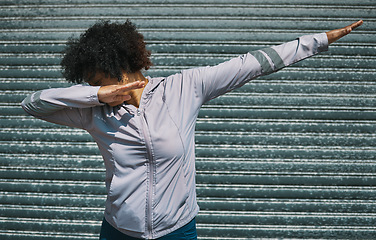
x=105, y=47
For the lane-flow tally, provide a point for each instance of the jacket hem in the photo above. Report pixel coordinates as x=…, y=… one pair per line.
x=158, y=235
x=179, y=224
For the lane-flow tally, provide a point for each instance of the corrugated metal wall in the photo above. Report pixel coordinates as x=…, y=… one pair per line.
x=289, y=155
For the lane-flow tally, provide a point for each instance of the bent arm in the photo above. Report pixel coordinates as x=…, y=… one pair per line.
x=63, y=106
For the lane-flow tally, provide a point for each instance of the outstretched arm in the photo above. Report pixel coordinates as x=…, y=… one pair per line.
x=336, y=34
x=217, y=80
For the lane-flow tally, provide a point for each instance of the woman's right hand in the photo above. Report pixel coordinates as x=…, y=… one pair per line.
x=117, y=94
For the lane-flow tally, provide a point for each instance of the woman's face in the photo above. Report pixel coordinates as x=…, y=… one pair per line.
x=100, y=79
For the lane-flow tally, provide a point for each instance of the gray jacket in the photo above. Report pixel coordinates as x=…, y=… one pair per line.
x=149, y=152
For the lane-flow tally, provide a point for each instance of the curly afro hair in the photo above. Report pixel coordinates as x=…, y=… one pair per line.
x=105, y=47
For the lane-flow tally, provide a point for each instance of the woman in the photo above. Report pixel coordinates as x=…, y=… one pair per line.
x=144, y=127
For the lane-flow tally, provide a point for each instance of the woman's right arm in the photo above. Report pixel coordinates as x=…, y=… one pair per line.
x=72, y=106
x=65, y=106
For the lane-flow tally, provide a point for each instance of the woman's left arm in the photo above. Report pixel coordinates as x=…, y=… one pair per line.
x=211, y=82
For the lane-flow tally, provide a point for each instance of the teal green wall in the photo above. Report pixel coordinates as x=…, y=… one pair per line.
x=290, y=155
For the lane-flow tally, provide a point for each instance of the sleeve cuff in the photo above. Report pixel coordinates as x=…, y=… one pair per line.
x=93, y=97
x=323, y=43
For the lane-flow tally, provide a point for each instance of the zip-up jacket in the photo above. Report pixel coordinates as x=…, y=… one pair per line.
x=149, y=152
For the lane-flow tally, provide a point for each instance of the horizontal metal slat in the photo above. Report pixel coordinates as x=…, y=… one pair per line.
x=52, y=199
x=282, y=218
x=259, y=2
x=37, y=235
x=262, y=165
x=264, y=112
x=285, y=152
x=315, y=101
x=50, y=160
x=23, y=120
x=51, y=226
x=286, y=191
x=41, y=173
x=52, y=186
x=295, y=125
x=61, y=135
x=188, y=10
x=36, y=147
x=287, y=178
x=54, y=212
x=282, y=231
x=308, y=87
x=283, y=139
x=293, y=205
x=31, y=85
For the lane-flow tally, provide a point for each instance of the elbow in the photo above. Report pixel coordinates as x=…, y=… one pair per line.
x=27, y=107
x=32, y=107
x=24, y=105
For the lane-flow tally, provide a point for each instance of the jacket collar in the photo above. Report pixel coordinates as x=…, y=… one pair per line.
x=152, y=84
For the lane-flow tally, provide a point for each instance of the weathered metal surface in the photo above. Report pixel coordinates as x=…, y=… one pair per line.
x=290, y=155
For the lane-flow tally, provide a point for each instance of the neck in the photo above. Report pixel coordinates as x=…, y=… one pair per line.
x=135, y=93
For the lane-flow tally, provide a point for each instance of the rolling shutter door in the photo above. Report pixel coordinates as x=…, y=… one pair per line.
x=289, y=155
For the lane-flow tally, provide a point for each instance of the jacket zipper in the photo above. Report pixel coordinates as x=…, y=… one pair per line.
x=151, y=175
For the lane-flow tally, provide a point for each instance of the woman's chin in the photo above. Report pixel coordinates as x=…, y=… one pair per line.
x=113, y=104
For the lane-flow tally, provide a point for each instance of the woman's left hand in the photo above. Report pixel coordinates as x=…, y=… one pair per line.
x=336, y=34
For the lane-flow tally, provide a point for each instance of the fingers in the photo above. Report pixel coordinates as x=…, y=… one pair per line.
x=129, y=86
x=116, y=94
x=352, y=26
x=356, y=24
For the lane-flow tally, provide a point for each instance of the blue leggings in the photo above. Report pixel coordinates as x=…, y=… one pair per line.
x=187, y=232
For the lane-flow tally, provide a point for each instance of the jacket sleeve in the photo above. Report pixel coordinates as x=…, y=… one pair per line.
x=66, y=106
x=211, y=82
